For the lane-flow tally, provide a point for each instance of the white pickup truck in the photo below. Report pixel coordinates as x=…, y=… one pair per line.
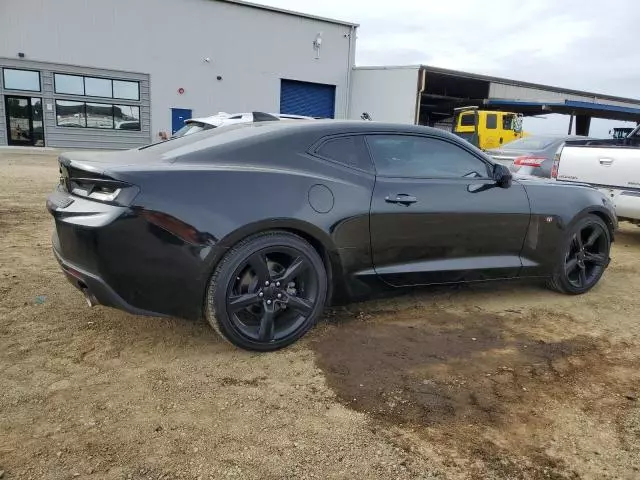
x=611, y=165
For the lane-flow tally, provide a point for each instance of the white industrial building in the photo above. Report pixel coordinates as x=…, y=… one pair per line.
x=116, y=73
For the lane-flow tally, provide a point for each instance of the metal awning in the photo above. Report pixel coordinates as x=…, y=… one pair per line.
x=568, y=107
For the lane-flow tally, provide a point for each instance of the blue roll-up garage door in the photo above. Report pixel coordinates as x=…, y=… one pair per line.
x=306, y=98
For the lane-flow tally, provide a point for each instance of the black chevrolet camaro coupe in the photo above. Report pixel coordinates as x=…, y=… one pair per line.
x=257, y=227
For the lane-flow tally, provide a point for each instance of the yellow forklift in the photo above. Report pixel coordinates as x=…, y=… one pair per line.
x=487, y=129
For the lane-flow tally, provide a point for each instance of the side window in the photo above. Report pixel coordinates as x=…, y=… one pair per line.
x=423, y=157
x=350, y=151
x=507, y=122
x=492, y=121
x=467, y=120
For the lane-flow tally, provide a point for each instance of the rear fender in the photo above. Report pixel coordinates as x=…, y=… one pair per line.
x=318, y=238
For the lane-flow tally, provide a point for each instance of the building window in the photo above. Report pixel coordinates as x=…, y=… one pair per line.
x=126, y=90
x=69, y=84
x=97, y=115
x=27, y=80
x=70, y=114
x=126, y=117
x=96, y=87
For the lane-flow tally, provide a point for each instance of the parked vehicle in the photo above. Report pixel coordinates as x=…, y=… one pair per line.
x=611, y=165
x=257, y=227
x=533, y=155
x=194, y=125
x=487, y=129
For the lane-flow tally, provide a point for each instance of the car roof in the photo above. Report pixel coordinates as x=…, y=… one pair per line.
x=248, y=133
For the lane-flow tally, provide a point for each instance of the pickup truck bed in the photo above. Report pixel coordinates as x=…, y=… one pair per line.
x=612, y=166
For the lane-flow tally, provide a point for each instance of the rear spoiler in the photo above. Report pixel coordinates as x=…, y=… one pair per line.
x=264, y=117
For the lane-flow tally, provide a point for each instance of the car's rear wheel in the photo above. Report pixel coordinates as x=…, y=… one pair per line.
x=267, y=291
x=584, y=257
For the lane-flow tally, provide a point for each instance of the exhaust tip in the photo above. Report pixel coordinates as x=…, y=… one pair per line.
x=89, y=298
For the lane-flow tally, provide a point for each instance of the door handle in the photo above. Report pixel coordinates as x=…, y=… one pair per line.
x=401, y=198
x=606, y=161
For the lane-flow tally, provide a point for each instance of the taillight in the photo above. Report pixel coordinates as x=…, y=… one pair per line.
x=96, y=186
x=529, y=161
x=556, y=162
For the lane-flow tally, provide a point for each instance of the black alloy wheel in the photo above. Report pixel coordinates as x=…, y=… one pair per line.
x=585, y=258
x=267, y=292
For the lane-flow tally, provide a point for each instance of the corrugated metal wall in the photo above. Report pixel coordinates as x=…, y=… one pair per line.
x=89, y=138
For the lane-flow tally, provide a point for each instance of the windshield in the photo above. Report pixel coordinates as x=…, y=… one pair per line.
x=530, y=143
x=192, y=127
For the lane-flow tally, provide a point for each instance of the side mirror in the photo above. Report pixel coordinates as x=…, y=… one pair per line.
x=502, y=176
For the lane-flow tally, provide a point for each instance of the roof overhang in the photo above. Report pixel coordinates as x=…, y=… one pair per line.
x=568, y=107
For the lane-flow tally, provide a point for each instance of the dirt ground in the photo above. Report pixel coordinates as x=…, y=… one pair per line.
x=493, y=381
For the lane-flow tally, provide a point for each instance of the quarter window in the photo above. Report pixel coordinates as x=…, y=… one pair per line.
x=492, y=121
x=423, y=157
x=350, y=151
x=27, y=80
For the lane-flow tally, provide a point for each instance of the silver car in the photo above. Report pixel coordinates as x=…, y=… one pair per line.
x=532, y=155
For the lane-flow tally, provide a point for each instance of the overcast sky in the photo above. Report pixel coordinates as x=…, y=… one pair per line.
x=582, y=44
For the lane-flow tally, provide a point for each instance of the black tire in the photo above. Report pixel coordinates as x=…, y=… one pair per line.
x=240, y=288
x=583, y=258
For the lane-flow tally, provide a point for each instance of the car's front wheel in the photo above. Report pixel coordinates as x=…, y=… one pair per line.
x=267, y=291
x=585, y=256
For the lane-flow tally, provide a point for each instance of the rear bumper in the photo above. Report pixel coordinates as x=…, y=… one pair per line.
x=93, y=285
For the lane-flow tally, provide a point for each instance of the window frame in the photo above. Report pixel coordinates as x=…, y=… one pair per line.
x=4, y=82
x=314, y=150
x=488, y=164
x=103, y=129
x=84, y=86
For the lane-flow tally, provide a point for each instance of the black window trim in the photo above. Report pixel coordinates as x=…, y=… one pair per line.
x=4, y=83
x=315, y=148
x=84, y=86
x=486, y=161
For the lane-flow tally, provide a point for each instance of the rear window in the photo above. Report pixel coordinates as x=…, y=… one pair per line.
x=192, y=127
x=467, y=120
x=530, y=143
x=492, y=121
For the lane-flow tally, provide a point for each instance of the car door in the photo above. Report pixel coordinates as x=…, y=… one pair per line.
x=437, y=216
